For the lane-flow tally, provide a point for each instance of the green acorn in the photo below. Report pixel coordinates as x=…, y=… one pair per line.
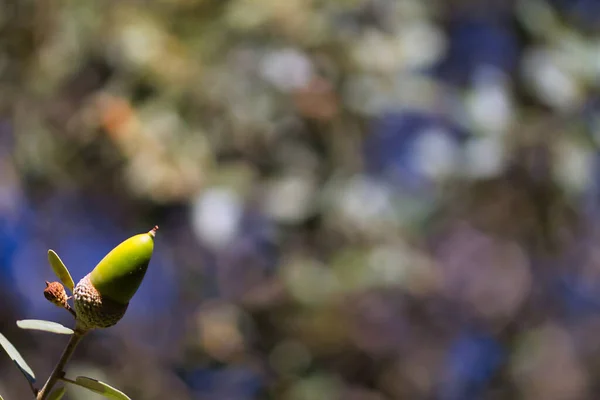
x=102, y=296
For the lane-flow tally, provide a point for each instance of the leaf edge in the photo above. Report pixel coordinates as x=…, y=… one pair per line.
x=58, y=266
x=78, y=381
x=25, y=368
x=66, y=331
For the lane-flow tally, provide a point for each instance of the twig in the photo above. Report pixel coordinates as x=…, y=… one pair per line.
x=58, y=369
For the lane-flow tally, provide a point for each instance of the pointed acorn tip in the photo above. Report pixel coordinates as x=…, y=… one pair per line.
x=152, y=231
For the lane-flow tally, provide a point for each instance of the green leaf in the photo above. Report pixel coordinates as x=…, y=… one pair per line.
x=101, y=388
x=1, y=397
x=16, y=357
x=47, y=326
x=57, y=394
x=60, y=270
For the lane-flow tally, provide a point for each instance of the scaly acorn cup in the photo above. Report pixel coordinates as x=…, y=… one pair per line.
x=102, y=296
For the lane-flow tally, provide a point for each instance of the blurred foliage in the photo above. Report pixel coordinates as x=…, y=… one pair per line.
x=358, y=199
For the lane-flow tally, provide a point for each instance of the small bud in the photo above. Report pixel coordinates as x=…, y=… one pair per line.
x=56, y=294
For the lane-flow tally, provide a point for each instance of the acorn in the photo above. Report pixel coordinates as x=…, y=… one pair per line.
x=102, y=296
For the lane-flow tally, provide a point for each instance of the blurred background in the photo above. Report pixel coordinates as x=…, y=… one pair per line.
x=357, y=199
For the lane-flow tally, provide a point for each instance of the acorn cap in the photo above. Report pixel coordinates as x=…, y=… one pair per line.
x=119, y=274
x=92, y=309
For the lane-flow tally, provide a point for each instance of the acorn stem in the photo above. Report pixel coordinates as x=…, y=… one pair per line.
x=60, y=366
x=70, y=309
